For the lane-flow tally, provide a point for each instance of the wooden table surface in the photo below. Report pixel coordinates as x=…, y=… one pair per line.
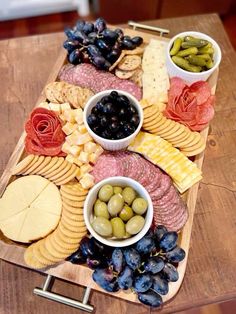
x=25, y=64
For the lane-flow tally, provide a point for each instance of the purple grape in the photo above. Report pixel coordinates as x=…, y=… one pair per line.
x=117, y=260
x=100, y=24
x=154, y=264
x=125, y=278
x=76, y=258
x=150, y=298
x=75, y=57
x=145, y=245
x=160, y=285
x=143, y=282
x=176, y=255
x=132, y=258
x=87, y=247
x=159, y=232
x=105, y=279
x=168, y=241
x=170, y=273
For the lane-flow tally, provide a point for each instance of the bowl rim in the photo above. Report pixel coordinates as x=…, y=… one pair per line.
x=104, y=93
x=123, y=242
x=195, y=74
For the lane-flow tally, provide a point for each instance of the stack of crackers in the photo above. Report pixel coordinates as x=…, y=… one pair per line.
x=128, y=65
x=66, y=238
x=62, y=92
x=190, y=143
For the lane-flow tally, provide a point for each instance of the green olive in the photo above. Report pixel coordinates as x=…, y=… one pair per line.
x=129, y=195
x=105, y=193
x=102, y=226
x=139, y=206
x=115, y=204
x=126, y=213
x=117, y=190
x=118, y=227
x=100, y=209
x=135, y=224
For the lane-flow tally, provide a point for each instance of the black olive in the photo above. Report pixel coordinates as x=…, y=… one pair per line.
x=114, y=94
x=99, y=106
x=135, y=120
x=123, y=100
x=106, y=134
x=114, y=127
x=97, y=129
x=114, y=119
x=94, y=110
x=105, y=99
x=132, y=110
x=128, y=129
x=92, y=120
x=109, y=108
x=120, y=135
x=104, y=121
x=122, y=113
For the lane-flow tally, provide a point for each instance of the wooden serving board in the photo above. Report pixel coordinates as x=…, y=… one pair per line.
x=79, y=274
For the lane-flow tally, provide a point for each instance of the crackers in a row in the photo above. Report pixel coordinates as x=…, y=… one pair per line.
x=56, y=169
x=190, y=143
x=65, y=239
x=62, y=92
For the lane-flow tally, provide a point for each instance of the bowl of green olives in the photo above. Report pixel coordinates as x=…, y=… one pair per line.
x=193, y=56
x=118, y=211
x=113, y=118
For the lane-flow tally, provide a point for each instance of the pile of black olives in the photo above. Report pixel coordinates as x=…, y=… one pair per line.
x=114, y=117
x=95, y=43
x=146, y=267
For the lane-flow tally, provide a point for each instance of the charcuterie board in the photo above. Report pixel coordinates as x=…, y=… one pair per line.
x=79, y=274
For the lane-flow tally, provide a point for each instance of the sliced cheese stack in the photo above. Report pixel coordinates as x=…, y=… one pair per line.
x=184, y=172
x=30, y=209
x=155, y=77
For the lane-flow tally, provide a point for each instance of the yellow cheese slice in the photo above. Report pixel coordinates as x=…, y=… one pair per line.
x=30, y=209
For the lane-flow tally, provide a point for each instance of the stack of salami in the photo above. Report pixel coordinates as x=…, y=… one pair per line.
x=169, y=208
x=87, y=76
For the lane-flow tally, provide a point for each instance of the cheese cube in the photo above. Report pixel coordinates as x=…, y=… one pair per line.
x=87, y=181
x=77, y=162
x=65, y=106
x=66, y=148
x=90, y=147
x=62, y=117
x=99, y=150
x=84, y=157
x=78, y=113
x=72, y=139
x=55, y=107
x=69, y=115
x=69, y=128
x=93, y=158
x=82, y=129
x=86, y=168
x=70, y=158
x=75, y=150
x=83, y=138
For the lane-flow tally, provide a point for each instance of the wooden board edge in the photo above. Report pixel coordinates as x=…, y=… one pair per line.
x=56, y=271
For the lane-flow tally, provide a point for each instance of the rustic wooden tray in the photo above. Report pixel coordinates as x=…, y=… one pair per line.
x=79, y=274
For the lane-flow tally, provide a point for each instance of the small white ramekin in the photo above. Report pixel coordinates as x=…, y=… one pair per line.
x=112, y=144
x=91, y=198
x=191, y=77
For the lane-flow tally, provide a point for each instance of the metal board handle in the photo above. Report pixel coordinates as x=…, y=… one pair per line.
x=46, y=293
x=148, y=27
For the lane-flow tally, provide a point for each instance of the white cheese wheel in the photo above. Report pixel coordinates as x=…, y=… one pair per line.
x=30, y=209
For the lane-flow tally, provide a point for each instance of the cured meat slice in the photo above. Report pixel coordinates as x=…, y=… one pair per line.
x=169, y=209
x=191, y=105
x=86, y=75
x=44, y=135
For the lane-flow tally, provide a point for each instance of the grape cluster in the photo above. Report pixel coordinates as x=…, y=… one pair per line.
x=146, y=267
x=95, y=43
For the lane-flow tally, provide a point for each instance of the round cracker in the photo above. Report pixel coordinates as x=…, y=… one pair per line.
x=73, y=217
x=73, y=197
x=77, y=204
x=73, y=210
x=66, y=249
x=129, y=63
x=71, y=234
x=36, y=157
x=30, y=259
x=22, y=165
x=74, y=188
x=73, y=228
x=31, y=169
x=174, y=126
x=124, y=75
x=68, y=242
x=178, y=133
x=155, y=115
x=58, y=254
x=72, y=223
x=164, y=126
x=60, y=171
x=38, y=255
x=71, y=174
x=58, y=163
x=41, y=167
x=136, y=51
x=149, y=111
x=51, y=164
x=46, y=254
x=194, y=152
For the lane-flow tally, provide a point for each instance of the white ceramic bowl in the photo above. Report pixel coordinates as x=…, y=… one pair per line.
x=112, y=144
x=92, y=196
x=191, y=77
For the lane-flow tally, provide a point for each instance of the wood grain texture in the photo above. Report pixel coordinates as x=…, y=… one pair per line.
x=204, y=282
